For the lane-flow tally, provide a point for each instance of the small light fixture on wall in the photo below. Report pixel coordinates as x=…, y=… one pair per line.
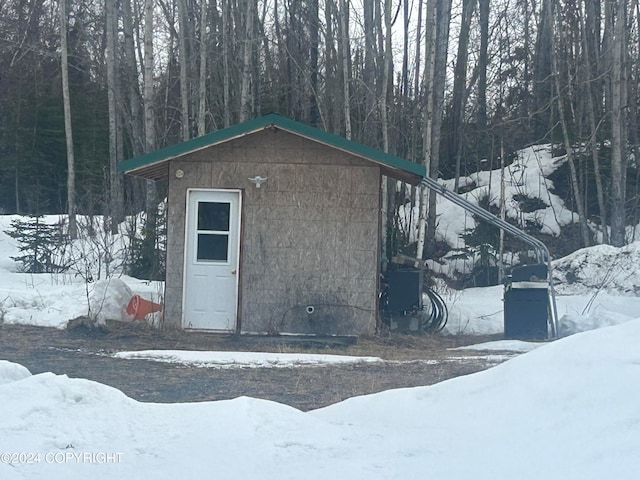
x=179, y=173
x=258, y=180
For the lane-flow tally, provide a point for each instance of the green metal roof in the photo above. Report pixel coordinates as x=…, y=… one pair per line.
x=154, y=164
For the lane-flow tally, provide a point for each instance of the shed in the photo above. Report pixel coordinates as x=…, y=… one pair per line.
x=273, y=227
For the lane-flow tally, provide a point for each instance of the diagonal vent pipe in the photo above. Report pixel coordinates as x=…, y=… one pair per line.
x=541, y=250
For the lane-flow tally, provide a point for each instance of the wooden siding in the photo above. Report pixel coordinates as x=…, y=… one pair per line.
x=309, y=234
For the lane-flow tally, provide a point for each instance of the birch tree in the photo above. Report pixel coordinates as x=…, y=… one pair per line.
x=71, y=175
x=149, y=109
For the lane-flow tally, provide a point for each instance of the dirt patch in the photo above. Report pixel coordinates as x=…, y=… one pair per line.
x=84, y=353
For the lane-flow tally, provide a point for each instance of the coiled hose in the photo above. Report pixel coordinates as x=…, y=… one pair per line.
x=434, y=313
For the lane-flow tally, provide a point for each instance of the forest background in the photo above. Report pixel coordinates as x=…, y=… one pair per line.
x=457, y=85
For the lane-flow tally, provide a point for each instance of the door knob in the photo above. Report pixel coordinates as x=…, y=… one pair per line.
x=233, y=271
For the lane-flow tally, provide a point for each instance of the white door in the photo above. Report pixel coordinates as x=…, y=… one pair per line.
x=211, y=259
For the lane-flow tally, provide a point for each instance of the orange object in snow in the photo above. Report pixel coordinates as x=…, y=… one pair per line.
x=140, y=308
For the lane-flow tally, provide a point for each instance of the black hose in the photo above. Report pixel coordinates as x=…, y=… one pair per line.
x=436, y=319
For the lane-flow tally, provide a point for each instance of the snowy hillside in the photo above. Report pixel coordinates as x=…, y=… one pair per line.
x=528, y=201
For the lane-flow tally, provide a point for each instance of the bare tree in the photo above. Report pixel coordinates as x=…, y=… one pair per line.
x=247, y=48
x=116, y=208
x=416, y=88
x=314, y=26
x=588, y=53
x=202, y=78
x=134, y=114
x=459, y=84
x=542, y=85
x=427, y=137
x=443, y=16
x=559, y=97
x=183, y=35
x=226, y=74
x=483, y=65
x=369, y=73
x=343, y=41
x=71, y=174
x=149, y=110
x=387, y=185
x=618, y=139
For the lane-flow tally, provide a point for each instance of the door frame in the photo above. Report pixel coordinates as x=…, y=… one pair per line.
x=187, y=252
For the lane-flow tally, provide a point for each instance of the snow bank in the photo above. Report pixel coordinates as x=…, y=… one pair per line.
x=108, y=301
x=599, y=268
x=242, y=359
x=503, y=345
x=565, y=410
x=12, y=372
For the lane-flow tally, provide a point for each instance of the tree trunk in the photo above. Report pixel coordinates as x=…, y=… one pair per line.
x=542, y=84
x=427, y=138
x=618, y=154
x=149, y=110
x=226, y=74
x=387, y=192
x=443, y=15
x=459, y=83
x=593, y=140
x=633, y=74
x=136, y=123
x=404, y=92
x=245, y=90
x=71, y=174
x=526, y=80
x=332, y=71
x=577, y=195
x=183, y=34
x=345, y=58
x=483, y=62
x=116, y=210
x=202, y=78
x=368, y=73
x=416, y=88
x=314, y=38
x=503, y=213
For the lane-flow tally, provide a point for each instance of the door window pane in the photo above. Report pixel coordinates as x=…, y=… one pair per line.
x=213, y=216
x=212, y=246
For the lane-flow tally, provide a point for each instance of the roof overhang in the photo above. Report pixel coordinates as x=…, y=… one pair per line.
x=154, y=165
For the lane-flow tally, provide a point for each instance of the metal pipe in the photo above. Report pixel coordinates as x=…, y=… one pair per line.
x=542, y=252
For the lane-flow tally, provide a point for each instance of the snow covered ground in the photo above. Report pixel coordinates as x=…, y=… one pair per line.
x=596, y=287
x=568, y=409
x=242, y=359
